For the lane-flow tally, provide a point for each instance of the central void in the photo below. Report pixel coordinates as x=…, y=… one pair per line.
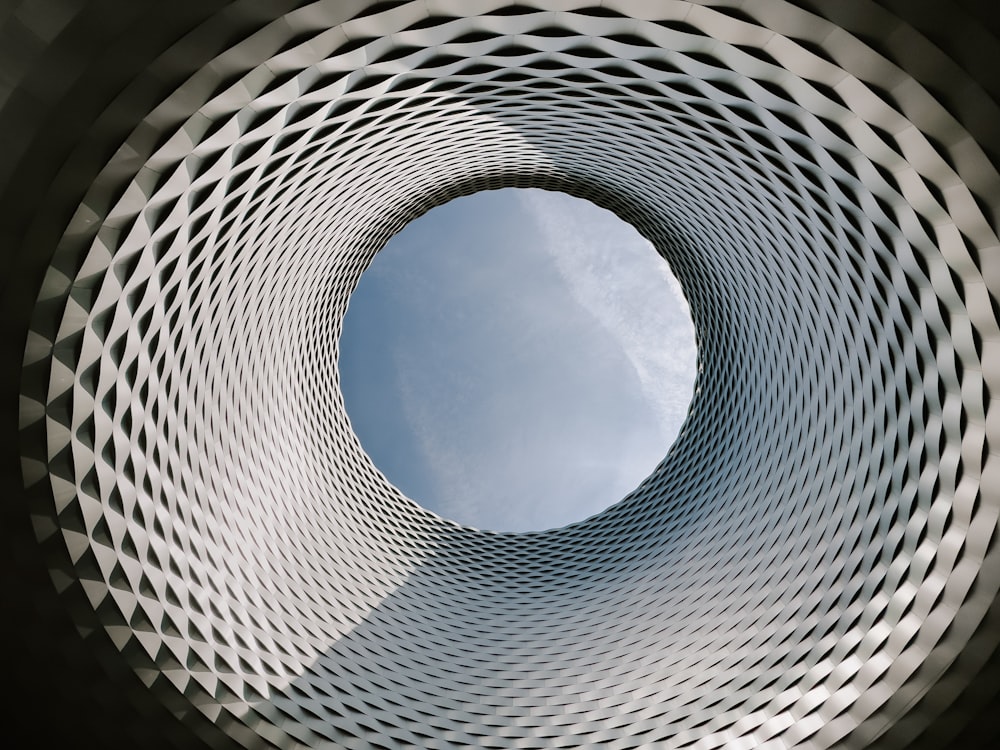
x=517, y=359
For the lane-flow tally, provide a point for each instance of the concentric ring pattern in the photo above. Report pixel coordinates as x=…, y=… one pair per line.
x=812, y=565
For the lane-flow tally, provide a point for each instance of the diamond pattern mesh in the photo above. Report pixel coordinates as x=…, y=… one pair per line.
x=803, y=566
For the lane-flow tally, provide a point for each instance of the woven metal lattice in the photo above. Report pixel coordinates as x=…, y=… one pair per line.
x=804, y=564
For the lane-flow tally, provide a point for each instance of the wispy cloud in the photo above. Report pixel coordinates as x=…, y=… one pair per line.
x=533, y=356
x=618, y=276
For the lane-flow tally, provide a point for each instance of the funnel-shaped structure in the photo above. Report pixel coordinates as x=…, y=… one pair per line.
x=201, y=553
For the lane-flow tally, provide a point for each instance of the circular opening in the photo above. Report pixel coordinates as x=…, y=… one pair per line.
x=517, y=359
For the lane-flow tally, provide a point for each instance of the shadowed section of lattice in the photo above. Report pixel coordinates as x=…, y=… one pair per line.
x=811, y=564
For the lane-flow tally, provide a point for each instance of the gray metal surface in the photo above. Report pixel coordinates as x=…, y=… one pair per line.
x=190, y=195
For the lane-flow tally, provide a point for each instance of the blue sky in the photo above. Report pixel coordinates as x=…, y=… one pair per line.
x=517, y=359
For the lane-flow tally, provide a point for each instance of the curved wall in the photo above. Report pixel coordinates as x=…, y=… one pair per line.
x=191, y=196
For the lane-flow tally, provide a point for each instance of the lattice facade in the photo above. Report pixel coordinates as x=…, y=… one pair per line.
x=813, y=564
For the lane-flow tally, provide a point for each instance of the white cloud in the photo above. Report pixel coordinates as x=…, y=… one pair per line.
x=568, y=384
x=618, y=276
